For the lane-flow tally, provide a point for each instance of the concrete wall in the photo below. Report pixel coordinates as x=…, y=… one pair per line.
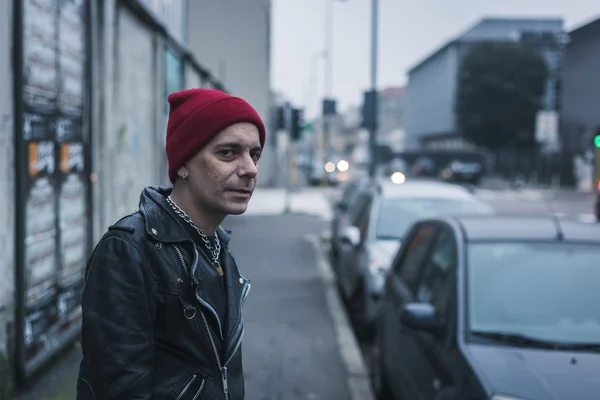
x=233, y=36
x=129, y=140
x=128, y=119
x=7, y=175
x=129, y=106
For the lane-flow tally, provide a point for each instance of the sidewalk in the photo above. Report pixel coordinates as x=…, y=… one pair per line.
x=58, y=382
x=312, y=201
x=298, y=344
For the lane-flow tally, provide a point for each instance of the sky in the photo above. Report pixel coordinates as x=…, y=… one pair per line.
x=408, y=32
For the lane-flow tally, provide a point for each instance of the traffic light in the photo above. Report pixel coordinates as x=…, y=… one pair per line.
x=297, y=123
x=329, y=107
x=369, y=110
x=279, y=118
x=597, y=141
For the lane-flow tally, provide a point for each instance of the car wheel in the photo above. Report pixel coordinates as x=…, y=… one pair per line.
x=358, y=315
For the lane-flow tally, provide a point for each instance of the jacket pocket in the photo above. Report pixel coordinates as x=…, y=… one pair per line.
x=192, y=389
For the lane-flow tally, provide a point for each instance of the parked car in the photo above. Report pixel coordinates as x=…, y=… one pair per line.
x=463, y=172
x=492, y=307
x=340, y=213
x=424, y=166
x=378, y=218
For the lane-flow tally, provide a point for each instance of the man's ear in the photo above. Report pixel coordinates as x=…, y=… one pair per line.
x=183, y=172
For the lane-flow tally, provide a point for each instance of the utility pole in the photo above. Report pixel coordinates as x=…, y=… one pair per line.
x=287, y=111
x=374, y=109
x=327, y=83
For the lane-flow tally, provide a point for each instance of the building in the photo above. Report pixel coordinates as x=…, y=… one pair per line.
x=82, y=131
x=580, y=98
x=580, y=112
x=390, y=110
x=432, y=83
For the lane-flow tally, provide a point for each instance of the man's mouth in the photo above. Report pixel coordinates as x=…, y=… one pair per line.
x=240, y=190
x=245, y=193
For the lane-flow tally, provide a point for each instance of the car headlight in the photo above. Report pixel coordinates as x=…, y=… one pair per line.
x=504, y=397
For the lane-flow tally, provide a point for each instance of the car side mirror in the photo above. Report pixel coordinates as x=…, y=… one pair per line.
x=341, y=205
x=422, y=317
x=351, y=235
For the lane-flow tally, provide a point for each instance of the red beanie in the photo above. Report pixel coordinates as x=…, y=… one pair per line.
x=198, y=115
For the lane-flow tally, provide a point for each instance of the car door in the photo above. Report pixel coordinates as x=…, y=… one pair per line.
x=340, y=211
x=348, y=251
x=357, y=260
x=400, y=289
x=430, y=364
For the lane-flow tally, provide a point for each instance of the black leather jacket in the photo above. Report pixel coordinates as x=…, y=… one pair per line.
x=150, y=329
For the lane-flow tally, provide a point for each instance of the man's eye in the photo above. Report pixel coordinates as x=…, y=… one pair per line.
x=226, y=153
x=256, y=157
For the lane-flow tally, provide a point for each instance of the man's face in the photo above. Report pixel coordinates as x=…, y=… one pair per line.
x=222, y=175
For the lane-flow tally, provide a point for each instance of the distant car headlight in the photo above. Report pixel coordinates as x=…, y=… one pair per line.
x=342, y=166
x=398, y=178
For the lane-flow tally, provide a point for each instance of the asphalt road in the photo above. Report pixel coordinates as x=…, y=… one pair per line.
x=290, y=349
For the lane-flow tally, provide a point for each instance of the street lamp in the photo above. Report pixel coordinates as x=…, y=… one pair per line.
x=327, y=78
x=374, y=48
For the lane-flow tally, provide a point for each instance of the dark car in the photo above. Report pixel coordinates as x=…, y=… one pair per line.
x=424, y=167
x=492, y=308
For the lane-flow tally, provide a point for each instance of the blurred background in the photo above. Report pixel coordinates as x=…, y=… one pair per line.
x=501, y=99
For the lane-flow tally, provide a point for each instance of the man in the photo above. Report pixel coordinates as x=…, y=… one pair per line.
x=163, y=296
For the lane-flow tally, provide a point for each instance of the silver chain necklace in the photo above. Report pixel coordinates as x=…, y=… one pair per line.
x=214, y=250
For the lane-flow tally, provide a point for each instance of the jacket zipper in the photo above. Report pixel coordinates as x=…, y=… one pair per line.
x=222, y=367
x=200, y=389
x=186, y=387
x=204, y=303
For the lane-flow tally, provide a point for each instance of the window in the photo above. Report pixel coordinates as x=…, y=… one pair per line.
x=542, y=290
x=359, y=206
x=417, y=248
x=349, y=193
x=436, y=283
x=397, y=215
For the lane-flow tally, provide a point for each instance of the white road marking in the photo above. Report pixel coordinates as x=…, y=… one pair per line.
x=359, y=383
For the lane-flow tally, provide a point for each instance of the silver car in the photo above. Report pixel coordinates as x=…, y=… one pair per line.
x=378, y=219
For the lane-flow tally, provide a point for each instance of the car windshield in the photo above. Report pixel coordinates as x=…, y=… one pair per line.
x=397, y=214
x=539, y=291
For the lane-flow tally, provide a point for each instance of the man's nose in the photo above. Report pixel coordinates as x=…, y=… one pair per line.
x=248, y=167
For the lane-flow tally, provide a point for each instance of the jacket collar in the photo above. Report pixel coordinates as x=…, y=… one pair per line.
x=161, y=224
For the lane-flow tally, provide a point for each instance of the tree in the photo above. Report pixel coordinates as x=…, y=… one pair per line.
x=500, y=86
